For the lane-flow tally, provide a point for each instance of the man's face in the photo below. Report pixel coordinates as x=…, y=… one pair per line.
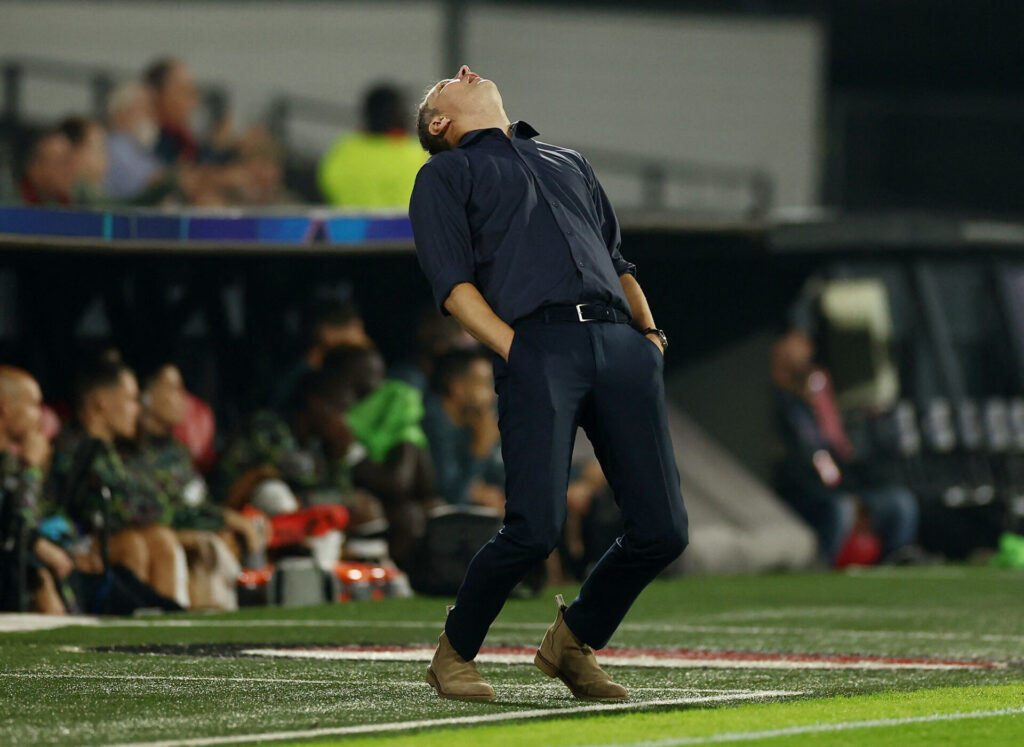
x=119, y=405
x=165, y=397
x=52, y=170
x=474, y=390
x=90, y=157
x=21, y=408
x=179, y=97
x=462, y=97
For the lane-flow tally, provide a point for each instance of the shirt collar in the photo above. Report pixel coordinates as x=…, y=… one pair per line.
x=520, y=129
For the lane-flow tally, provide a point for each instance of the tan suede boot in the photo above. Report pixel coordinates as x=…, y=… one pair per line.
x=563, y=655
x=454, y=677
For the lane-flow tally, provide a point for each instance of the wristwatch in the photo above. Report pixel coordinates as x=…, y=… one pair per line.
x=661, y=336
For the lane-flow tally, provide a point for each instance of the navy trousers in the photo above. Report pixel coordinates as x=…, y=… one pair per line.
x=608, y=379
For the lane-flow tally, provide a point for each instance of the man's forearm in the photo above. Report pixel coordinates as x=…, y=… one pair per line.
x=642, y=316
x=476, y=316
x=641, y=311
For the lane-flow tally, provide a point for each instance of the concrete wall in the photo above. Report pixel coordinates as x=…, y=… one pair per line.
x=733, y=91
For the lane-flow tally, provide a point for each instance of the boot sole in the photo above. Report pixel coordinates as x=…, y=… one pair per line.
x=434, y=683
x=552, y=671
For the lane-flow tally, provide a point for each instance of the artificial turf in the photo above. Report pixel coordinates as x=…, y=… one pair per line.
x=79, y=685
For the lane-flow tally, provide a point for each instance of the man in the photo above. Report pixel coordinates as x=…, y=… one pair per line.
x=90, y=483
x=133, y=168
x=521, y=246
x=817, y=475
x=24, y=457
x=202, y=527
x=331, y=324
x=463, y=431
x=47, y=175
x=375, y=167
x=88, y=158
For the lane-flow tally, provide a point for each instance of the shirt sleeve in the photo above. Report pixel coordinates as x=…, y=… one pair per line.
x=609, y=223
x=440, y=226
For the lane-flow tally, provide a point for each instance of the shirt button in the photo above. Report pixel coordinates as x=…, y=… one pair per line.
x=581, y=264
x=569, y=232
x=555, y=204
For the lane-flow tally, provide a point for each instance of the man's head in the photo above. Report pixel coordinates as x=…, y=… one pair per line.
x=384, y=110
x=347, y=375
x=88, y=149
x=49, y=167
x=454, y=106
x=333, y=324
x=20, y=404
x=163, y=399
x=107, y=397
x=792, y=361
x=130, y=111
x=463, y=379
x=175, y=95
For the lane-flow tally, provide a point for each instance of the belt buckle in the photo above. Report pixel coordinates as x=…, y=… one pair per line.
x=579, y=312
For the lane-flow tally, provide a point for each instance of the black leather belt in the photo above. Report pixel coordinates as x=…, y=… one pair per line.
x=581, y=312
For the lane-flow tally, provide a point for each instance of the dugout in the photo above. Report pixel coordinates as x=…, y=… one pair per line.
x=224, y=295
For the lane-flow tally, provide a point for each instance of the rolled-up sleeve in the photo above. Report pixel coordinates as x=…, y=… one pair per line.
x=440, y=228
x=609, y=224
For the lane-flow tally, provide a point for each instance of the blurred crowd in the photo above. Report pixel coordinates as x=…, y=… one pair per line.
x=147, y=152
x=127, y=497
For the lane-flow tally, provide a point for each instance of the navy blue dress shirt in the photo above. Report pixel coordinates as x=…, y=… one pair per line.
x=526, y=222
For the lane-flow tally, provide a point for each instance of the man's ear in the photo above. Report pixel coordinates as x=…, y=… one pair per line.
x=439, y=125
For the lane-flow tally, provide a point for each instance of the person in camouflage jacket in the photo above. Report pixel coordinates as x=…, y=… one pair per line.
x=24, y=455
x=125, y=511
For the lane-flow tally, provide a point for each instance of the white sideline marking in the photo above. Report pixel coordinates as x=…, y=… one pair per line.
x=750, y=736
x=338, y=731
x=633, y=627
x=661, y=662
x=22, y=622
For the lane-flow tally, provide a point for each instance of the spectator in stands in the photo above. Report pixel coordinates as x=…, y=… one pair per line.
x=158, y=456
x=24, y=459
x=135, y=173
x=88, y=159
x=90, y=483
x=818, y=474
x=47, y=173
x=209, y=173
x=462, y=429
x=375, y=167
x=331, y=323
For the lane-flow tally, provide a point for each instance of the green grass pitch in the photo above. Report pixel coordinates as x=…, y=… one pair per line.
x=179, y=679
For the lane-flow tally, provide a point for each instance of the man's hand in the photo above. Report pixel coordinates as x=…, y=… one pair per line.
x=656, y=340
x=484, y=425
x=508, y=347
x=53, y=557
x=491, y=496
x=35, y=448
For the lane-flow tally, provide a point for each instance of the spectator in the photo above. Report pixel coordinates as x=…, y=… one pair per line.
x=134, y=169
x=462, y=430
x=175, y=99
x=24, y=458
x=47, y=174
x=158, y=456
x=818, y=475
x=91, y=484
x=375, y=167
x=88, y=159
x=332, y=323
